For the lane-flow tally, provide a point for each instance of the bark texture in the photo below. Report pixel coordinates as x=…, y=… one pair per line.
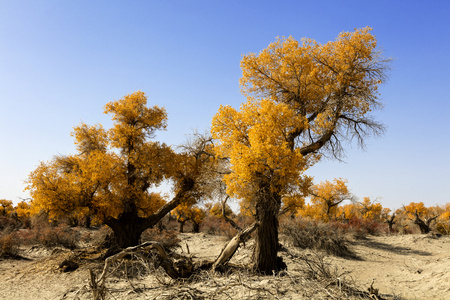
x=266, y=248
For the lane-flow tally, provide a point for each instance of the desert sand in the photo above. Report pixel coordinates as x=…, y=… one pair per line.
x=401, y=267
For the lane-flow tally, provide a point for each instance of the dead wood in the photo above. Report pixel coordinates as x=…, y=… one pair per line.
x=230, y=221
x=98, y=290
x=68, y=265
x=229, y=250
x=424, y=225
x=391, y=223
x=176, y=267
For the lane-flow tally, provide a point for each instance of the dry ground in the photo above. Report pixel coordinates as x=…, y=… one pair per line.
x=403, y=267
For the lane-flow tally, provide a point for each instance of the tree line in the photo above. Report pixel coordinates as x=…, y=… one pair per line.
x=304, y=101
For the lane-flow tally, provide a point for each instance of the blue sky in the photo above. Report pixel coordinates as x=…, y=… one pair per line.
x=62, y=61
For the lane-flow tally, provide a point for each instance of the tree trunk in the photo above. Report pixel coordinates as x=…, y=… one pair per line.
x=196, y=227
x=127, y=229
x=129, y=226
x=87, y=221
x=266, y=248
x=181, y=229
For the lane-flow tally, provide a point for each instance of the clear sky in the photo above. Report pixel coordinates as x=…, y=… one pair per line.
x=62, y=61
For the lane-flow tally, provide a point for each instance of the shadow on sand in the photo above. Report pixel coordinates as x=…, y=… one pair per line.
x=391, y=248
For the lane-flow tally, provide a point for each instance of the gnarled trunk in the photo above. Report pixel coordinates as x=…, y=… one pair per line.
x=127, y=229
x=181, y=228
x=196, y=227
x=266, y=248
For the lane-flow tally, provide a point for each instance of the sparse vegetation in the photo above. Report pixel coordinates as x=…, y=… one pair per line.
x=316, y=236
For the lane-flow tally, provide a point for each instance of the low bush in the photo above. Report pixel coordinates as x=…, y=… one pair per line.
x=8, y=224
x=167, y=238
x=317, y=236
x=58, y=236
x=360, y=228
x=49, y=236
x=443, y=228
x=218, y=226
x=8, y=245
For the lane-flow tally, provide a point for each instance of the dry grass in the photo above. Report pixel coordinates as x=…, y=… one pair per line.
x=316, y=236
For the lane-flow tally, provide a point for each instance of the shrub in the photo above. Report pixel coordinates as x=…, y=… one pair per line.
x=167, y=238
x=58, y=236
x=8, y=224
x=443, y=228
x=360, y=228
x=316, y=235
x=217, y=226
x=8, y=245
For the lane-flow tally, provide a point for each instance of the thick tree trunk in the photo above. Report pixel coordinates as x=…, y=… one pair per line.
x=87, y=221
x=127, y=229
x=181, y=228
x=266, y=248
x=196, y=227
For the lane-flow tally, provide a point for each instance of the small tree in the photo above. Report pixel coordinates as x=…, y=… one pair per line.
x=328, y=195
x=370, y=210
x=6, y=207
x=111, y=175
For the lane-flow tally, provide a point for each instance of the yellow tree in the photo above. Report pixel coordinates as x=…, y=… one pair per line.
x=303, y=99
x=328, y=195
x=370, y=209
x=421, y=214
x=23, y=211
x=6, y=207
x=349, y=211
x=187, y=212
x=112, y=172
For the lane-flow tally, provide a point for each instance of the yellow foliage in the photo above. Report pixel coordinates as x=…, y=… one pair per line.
x=445, y=216
x=370, y=210
x=349, y=211
x=303, y=98
x=185, y=212
x=255, y=139
x=216, y=209
x=6, y=207
x=113, y=169
x=420, y=207
x=23, y=210
x=328, y=195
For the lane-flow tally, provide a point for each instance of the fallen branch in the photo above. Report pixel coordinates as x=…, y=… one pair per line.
x=229, y=250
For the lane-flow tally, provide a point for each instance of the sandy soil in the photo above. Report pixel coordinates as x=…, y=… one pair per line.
x=403, y=267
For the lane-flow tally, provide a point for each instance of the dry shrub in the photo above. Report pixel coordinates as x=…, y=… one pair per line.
x=360, y=228
x=168, y=238
x=317, y=236
x=218, y=226
x=443, y=227
x=59, y=236
x=8, y=246
x=49, y=236
x=9, y=224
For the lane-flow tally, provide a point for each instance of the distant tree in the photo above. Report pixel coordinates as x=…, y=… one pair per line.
x=303, y=99
x=111, y=175
x=420, y=215
x=370, y=210
x=328, y=195
x=6, y=207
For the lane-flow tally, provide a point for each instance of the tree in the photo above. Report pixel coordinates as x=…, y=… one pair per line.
x=112, y=173
x=370, y=210
x=328, y=195
x=303, y=100
x=6, y=207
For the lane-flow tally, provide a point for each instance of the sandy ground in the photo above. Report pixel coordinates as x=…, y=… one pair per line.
x=403, y=267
